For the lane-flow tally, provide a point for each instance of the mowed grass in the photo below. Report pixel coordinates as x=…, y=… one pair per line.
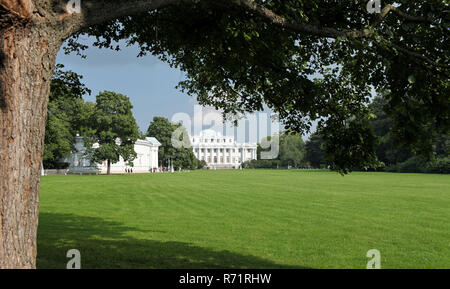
x=245, y=219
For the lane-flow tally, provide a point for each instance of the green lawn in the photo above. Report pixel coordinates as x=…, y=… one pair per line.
x=245, y=219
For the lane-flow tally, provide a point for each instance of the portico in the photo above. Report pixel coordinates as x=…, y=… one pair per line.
x=220, y=151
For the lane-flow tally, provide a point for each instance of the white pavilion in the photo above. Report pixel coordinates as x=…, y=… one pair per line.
x=145, y=162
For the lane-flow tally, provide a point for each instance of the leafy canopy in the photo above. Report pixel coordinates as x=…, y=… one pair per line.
x=116, y=130
x=315, y=60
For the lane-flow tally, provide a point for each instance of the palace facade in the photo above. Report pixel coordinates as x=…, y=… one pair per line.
x=222, y=152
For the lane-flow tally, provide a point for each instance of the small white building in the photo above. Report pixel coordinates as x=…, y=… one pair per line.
x=222, y=152
x=145, y=162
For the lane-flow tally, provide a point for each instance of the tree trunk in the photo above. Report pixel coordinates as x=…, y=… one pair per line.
x=109, y=167
x=31, y=33
x=27, y=60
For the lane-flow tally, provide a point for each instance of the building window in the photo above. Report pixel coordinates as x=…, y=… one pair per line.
x=228, y=159
x=215, y=160
x=209, y=159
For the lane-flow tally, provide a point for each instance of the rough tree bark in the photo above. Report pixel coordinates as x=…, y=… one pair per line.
x=27, y=59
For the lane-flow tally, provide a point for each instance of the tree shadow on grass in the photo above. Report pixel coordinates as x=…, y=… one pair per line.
x=105, y=244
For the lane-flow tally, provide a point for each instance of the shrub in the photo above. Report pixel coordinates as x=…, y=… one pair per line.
x=439, y=166
x=201, y=164
x=418, y=164
x=261, y=164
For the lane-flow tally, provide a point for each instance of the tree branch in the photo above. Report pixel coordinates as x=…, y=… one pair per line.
x=100, y=11
x=94, y=12
x=281, y=21
x=15, y=11
x=407, y=17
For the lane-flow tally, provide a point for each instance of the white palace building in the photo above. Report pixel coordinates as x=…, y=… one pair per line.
x=222, y=152
x=219, y=152
x=145, y=162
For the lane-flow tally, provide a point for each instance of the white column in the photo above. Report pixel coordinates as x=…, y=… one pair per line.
x=212, y=155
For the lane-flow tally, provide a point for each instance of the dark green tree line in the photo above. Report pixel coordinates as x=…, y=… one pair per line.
x=181, y=157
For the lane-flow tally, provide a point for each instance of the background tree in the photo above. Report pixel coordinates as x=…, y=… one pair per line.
x=184, y=157
x=315, y=154
x=163, y=130
x=238, y=55
x=292, y=150
x=260, y=163
x=66, y=116
x=116, y=130
x=397, y=158
x=58, y=138
x=388, y=151
x=291, y=153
